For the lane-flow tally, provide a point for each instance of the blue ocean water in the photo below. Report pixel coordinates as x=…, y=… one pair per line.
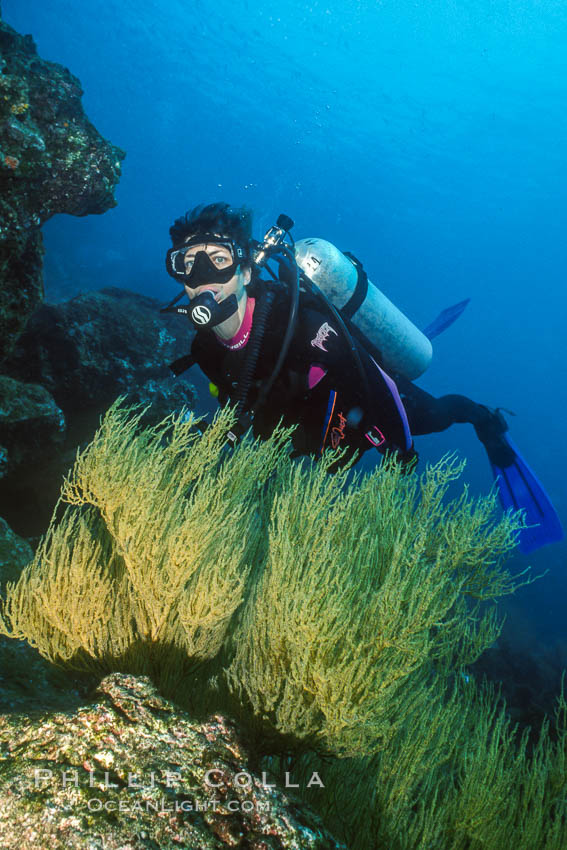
x=429, y=138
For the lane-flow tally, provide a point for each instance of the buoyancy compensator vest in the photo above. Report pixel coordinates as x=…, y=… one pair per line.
x=404, y=349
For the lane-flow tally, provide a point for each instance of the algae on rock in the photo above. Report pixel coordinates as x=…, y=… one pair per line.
x=132, y=770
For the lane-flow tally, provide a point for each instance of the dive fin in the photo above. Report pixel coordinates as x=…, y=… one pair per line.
x=520, y=489
x=445, y=319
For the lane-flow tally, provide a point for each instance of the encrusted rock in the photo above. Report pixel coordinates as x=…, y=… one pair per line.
x=84, y=353
x=97, y=346
x=133, y=771
x=32, y=433
x=31, y=425
x=15, y=553
x=52, y=160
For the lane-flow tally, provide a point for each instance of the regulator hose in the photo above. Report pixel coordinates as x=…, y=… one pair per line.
x=290, y=276
x=290, y=272
x=261, y=314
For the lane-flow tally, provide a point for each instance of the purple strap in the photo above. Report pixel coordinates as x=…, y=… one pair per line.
x=399, y=404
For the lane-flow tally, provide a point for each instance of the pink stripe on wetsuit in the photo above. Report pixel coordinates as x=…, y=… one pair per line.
x=240, y=339
x=316, y=373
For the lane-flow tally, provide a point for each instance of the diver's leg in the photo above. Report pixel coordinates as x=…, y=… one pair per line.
x=427, y=415
x=518, y=487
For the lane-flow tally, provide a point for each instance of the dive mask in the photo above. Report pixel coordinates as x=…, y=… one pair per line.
x=202, y=268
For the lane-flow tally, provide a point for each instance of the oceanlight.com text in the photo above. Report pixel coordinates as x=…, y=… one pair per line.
x=97, y=804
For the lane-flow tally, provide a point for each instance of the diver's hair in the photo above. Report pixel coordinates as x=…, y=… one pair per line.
x=236, y=223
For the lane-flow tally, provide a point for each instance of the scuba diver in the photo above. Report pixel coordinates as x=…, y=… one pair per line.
x=280, y=348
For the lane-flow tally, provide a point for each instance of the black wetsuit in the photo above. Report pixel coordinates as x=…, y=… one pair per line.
x=428, y=415
x=320, y=390
x=319, y=387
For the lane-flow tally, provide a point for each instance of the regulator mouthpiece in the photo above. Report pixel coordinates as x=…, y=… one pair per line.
x=206, y=313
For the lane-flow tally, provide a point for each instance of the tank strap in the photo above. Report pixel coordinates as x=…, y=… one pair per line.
x=360, y=290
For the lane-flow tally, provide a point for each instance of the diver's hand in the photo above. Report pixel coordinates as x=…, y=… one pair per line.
x=408, y=459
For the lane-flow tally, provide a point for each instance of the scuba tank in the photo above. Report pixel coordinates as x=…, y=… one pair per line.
x=404, y=349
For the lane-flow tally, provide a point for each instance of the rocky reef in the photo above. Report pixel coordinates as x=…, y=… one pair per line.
x=87, y=351
x=75, y=359
x=129, y=769
x=15, y=553
x=52, y=160
x=71, y=362
x=31, y=425
x=61, y=367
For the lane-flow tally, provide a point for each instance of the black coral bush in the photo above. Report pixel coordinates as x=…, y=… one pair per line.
x=336, y=612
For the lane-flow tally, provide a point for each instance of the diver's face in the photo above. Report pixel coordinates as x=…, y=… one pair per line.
x=221, y=257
